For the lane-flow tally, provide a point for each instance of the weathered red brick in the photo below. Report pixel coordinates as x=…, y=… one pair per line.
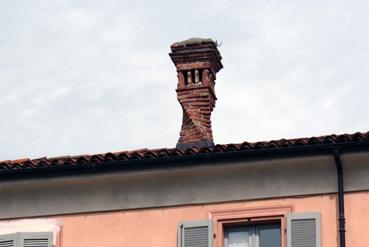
x=196, y=66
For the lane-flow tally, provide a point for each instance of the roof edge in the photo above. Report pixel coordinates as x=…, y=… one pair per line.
x=156, y=158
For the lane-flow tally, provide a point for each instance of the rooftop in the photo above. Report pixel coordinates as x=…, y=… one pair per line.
x=275, y=146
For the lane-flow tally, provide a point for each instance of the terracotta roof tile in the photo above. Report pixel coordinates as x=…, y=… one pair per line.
x=151, y=154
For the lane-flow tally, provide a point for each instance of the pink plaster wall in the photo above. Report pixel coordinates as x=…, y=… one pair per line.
x=158, y=227
x=357, y=219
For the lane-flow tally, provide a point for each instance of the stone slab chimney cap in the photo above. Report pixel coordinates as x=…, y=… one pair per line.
x=193, y=41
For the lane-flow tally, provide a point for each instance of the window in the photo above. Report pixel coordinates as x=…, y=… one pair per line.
x=27, y=239
x=265, y=235
x=262, y=224
x=275, y=226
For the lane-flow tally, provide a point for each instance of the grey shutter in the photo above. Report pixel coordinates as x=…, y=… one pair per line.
x=8, y=240
x=303, y=230
x=36, y=239
x=195, y=234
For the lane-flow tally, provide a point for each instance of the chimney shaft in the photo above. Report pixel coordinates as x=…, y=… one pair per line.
x=197, y=61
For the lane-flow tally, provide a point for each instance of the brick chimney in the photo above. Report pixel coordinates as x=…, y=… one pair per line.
x=197, y=61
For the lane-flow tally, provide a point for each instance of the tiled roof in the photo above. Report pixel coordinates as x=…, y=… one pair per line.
x=155, y=154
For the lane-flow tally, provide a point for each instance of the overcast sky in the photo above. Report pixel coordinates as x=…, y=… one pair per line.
x=84, y=77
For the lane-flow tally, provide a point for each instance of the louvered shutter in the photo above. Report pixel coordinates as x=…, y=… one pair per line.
x=8, y=240
x=36, y=239
x=303, y=230
x=195, y=234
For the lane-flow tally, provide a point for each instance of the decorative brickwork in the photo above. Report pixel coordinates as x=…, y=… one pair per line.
x=197, y=61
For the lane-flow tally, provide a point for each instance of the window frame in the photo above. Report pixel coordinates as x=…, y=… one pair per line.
x=251, y=215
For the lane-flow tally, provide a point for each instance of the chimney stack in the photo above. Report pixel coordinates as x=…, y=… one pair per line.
x=197, y=61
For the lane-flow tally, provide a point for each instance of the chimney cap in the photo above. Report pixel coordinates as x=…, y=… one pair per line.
x=194, y=41
x=195, y=50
